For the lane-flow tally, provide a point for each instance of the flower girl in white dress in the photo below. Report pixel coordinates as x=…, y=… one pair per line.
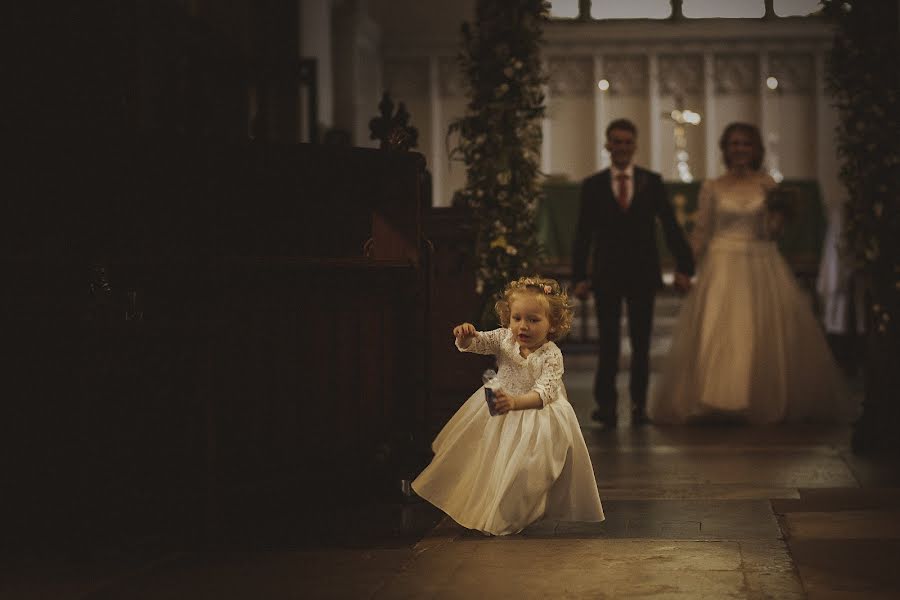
x=498, y=474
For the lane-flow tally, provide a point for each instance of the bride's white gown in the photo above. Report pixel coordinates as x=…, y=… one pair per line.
x=746, y=344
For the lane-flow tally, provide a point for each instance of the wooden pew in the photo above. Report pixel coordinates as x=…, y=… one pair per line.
x=454, y=375
x=253, y=331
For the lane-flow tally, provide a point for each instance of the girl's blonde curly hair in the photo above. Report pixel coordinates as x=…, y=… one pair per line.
x=559, y=311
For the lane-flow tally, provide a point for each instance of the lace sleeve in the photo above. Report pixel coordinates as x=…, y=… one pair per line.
x=703, y=221
x=485, y=342
x=547, y=384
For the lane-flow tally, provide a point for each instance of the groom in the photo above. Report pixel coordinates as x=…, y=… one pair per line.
x=617, y=221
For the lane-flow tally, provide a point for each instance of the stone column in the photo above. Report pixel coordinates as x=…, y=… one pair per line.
x=709, y=115
x=600, y=113
x=655, y=129
x=316, y=42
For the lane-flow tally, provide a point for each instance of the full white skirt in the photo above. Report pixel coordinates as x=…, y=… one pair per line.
x=747, y=346
x=500, y=474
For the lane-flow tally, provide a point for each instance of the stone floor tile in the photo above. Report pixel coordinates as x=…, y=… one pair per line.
x=516, y=567
x=774, y=586
x=610, y=528
x=873, y=471
x=331, y=573
x=848, y=524
x=686, y=519
x=838, y=499
x=786, y=469
x=70, y=578
x=737, y=491
x=766, y=556
x=867, y=568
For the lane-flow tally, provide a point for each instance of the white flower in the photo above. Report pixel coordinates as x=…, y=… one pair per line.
x=508, y=72
x=511, y=250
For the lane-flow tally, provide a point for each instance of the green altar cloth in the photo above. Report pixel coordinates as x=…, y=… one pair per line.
x=801, y=243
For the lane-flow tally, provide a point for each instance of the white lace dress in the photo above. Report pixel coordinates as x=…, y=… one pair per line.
x=747, y=344
x=500, y=474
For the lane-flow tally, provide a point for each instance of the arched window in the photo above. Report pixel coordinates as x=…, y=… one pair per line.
x=692, y=9
x=730, y=9
x=797, y=8
x=564, y=9
x=633, y=9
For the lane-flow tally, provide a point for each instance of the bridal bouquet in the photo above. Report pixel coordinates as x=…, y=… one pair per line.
x=782, y=201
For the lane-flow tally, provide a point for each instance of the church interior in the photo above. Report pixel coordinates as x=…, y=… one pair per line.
x=237, y=240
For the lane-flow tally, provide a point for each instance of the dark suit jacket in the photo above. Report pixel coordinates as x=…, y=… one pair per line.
x=625, y=256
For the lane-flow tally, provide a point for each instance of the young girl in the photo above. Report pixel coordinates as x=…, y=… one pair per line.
x=498, y=474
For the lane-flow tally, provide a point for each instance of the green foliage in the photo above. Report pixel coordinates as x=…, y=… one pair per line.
x=500, y=138
x=863, y=78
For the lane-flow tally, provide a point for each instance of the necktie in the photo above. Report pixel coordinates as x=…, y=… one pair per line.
x=622, y=190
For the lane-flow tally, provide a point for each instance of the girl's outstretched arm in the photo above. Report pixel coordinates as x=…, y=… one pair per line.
x=464, y=334
x=479, y=342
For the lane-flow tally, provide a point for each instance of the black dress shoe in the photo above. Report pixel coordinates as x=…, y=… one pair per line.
x=603, y=419
x=639, y=418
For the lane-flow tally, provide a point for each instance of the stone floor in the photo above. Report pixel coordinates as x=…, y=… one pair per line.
x=692, y=512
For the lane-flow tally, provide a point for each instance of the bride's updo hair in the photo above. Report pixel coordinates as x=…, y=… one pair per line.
x=548, y=292
x=759, y=151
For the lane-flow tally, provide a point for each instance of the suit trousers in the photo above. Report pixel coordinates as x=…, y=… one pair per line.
x=640, y=323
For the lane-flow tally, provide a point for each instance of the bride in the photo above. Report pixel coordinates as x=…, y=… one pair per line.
x=746, y=346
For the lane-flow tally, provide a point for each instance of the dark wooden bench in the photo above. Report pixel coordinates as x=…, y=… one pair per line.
x=238, y=325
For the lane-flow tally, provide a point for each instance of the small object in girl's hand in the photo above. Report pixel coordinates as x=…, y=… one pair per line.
x=490, y=384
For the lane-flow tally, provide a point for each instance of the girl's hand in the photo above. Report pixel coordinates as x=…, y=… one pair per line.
x=464, y=334
x=503, y=402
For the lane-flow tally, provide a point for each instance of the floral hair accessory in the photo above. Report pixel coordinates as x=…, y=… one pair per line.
x=528, y=282
x=559, y=311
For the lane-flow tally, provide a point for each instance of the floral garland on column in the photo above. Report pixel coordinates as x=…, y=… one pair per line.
x=500, y=139
x=865, y=82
